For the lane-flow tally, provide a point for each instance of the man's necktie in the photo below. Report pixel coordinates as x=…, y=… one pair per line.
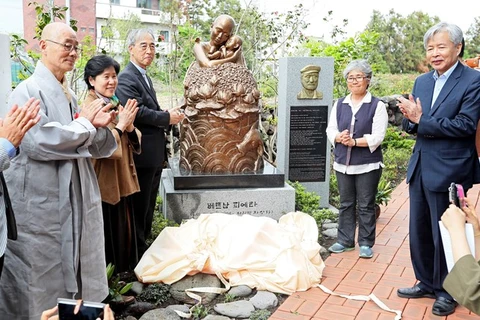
x=146, y=80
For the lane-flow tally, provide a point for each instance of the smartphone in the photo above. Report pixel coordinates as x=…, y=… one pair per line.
x=88, y=310
x=456, y=195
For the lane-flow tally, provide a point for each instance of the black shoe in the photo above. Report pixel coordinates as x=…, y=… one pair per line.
x=414, y=292
x=444, y=306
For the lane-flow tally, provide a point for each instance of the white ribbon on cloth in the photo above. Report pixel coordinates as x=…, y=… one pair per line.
x=191, y=294
x=372, y=297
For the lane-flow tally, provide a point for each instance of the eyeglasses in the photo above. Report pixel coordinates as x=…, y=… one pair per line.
x=358, y=78
x=66, y=46
x=144, y=46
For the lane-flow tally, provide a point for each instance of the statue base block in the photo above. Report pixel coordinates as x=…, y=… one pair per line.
x=179, y=205
x=269, y=177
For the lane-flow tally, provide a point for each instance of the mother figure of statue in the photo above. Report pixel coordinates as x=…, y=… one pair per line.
x=220, y=132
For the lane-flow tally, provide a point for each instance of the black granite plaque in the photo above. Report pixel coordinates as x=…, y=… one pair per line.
x=308, y=143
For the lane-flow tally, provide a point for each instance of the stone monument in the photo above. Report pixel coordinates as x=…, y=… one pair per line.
x=221, y=149
x=304, y=103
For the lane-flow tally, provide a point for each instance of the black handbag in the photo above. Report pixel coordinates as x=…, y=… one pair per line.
x=11, y=222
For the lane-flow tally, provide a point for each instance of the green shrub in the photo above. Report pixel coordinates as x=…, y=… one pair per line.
x=395, y=138
x=116, y=287
x=321, y=215
x=228, y=297
x=396, y=163
x=159, y=222
x=156, y=293
x=389, y=84
x=260, y=315
x=308, y=202
x=334, y=196
x=384, y=192
x=200, y=311
x=304, y=201
x=268, y=87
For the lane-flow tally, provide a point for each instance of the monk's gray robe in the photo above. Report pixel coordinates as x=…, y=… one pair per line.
x=56, y=200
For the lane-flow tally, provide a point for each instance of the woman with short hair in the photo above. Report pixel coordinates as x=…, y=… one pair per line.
x=356, y=129
x=117, y=177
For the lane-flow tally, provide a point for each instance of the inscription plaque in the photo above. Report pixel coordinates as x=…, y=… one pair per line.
x=308, y=143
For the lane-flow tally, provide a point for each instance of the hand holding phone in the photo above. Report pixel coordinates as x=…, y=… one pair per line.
x=456, y=195
x=87, y=311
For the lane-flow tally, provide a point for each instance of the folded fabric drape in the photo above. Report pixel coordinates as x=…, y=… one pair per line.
x=258, y=252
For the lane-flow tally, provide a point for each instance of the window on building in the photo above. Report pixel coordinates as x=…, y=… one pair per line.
x=165, y=36
x=83, y=29
x=147, y=4
x=115, y=1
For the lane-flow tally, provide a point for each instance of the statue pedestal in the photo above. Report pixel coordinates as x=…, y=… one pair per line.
x=259, y=194
x=269, y=176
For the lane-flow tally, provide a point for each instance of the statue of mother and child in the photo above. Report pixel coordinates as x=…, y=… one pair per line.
x=220, y=133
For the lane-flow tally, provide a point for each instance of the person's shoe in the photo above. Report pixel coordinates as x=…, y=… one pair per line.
x=414, y=292
x=365, y=252
x=339, y=248
x=443, y=306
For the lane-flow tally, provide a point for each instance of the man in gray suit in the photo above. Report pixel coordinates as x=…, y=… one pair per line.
x=12, y=129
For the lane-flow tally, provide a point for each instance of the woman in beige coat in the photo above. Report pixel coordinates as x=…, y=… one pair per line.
x=116, y=175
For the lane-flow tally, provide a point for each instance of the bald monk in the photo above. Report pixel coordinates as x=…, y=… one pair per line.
x=54, y=191
x=220, y=32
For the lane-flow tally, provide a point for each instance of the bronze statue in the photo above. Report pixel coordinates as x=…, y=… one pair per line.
x=309, y=77
x=220, y=133
x=208, y=54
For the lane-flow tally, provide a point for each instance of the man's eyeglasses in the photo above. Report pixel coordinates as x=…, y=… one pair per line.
x=358, y=78
x=66, y=46
x=144, y=46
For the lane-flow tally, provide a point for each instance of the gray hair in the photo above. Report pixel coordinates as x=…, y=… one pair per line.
x=454, y=33
x=135, y=34
x=360, y=64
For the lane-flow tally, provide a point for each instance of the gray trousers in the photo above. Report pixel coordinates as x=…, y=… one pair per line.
x=357, y=195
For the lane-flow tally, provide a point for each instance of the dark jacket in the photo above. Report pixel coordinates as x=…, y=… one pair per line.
x=445, y=146
x=151, y=120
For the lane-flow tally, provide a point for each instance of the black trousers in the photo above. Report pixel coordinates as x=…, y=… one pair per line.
x=357, y=196
x=120, y=238
x=1, y=264
x=144, y=204
x=426, y=247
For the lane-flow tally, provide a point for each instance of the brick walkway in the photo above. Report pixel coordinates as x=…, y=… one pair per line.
x=389, y=269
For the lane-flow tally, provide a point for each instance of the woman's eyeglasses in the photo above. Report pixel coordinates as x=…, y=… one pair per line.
x=358, y=78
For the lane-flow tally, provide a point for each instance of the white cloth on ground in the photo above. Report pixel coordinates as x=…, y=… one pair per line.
x=258, y=252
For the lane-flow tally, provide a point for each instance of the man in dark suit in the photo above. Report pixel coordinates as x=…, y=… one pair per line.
x=443, y=111
x=152, y=121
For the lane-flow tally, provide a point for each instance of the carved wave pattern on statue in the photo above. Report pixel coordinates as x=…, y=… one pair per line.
x=222, y=150
x=220, y=133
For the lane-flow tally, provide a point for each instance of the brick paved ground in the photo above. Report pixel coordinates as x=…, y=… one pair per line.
x=388, y=270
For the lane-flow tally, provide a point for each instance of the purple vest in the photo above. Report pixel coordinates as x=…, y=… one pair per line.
x=362, y=126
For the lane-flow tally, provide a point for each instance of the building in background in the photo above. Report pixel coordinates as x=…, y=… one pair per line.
x=93, y=15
